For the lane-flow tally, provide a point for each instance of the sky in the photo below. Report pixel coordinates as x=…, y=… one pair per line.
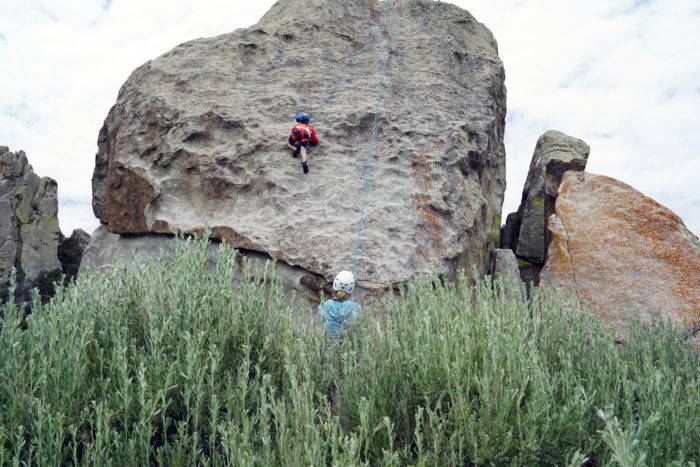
x=623, y=75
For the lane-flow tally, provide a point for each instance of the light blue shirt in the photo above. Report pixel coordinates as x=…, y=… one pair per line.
x=335, y=315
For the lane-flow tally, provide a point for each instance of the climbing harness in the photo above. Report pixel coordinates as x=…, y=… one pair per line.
x=302, y=132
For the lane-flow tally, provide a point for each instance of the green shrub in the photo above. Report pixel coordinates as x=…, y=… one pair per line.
x=167, y=363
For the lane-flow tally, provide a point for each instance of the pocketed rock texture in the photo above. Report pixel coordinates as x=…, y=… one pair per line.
x=525, y=230
x=29, y=229
x=623, y=254
x=197, y=139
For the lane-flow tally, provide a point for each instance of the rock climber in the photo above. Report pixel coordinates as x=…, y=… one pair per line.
x=337, y=313
x=301, y=139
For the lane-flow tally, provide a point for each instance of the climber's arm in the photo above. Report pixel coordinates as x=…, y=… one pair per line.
x=291, y=141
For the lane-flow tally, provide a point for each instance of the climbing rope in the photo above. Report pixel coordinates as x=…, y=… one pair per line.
x=372, y=142
x=316, y=116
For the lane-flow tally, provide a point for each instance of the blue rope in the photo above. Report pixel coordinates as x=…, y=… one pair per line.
x=341, y=76
x=371, y=149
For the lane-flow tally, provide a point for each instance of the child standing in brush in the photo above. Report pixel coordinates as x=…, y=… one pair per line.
x=338, y=312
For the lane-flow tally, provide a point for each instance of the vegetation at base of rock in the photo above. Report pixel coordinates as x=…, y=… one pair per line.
x=23, y=289
x=165, y=363
x=46, y=283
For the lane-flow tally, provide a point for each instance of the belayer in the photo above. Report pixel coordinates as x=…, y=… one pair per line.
x=337, y=313
x=301, y=139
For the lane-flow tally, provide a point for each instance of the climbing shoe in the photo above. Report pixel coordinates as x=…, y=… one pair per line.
x=305, y=166
x=296, y=152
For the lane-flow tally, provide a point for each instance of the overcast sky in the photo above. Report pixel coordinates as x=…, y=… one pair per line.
x=624, y=75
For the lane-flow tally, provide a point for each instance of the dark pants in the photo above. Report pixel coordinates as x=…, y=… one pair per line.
x=298, y=145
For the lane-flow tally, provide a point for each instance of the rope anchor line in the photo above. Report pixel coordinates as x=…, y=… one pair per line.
x=372, y=145
x=377, y=112
x=316, y=117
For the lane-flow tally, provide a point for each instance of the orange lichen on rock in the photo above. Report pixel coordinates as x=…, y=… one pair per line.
x=625, y=255
x=429, y=227
x=559, y=249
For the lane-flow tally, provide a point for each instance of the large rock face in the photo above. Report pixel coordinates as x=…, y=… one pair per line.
x=29, y=229
x=623, y=253
x=525, y=230
x=197, y=139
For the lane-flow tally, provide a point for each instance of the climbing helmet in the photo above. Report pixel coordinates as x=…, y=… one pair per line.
x=344, y=281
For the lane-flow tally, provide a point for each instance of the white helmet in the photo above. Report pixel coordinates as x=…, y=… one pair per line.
x=344, y=281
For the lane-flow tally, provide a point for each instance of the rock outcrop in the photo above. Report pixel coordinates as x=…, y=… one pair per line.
x=70, y=252
x=525, y=231
x=29, y=229
x=30, y=239
x=623, y=254
x=107, y=249
x=505, y=269
x=197, y=139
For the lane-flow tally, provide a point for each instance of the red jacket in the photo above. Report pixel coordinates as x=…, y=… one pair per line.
x=302, y=133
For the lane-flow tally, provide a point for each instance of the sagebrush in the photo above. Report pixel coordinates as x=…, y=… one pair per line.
x=167, y=363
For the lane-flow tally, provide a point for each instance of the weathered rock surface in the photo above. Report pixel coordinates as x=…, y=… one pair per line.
x=196, y=140
x=29, y=229
x=70, y=252
x=624, y=254
x=505, y=269
x=107, y=249
x=525, y=231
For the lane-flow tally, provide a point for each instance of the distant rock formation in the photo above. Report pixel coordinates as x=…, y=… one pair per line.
x=505, y=269
x=70, y=252
x=29, y=230
x=28, y=223
x=623, y=254
x=525, y=231
x=197, y=138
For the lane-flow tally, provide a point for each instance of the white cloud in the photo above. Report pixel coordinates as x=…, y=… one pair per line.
x=624, y=75
x=62, y=63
